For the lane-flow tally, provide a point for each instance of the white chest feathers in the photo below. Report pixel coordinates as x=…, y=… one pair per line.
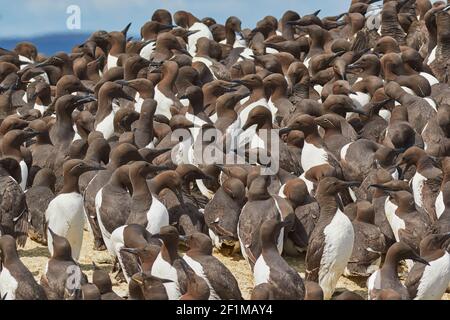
x=432, y=103
x=164, y=270
x=417, y=185
x=432, y=56
x=157, y=216
x=25, y=60
x=247, y=54
x=180, y=153
x=408, y=90
x=204, y=190
x=338, y=246
x=431, y=79
x=164, y=104
x=105, y=234
x=244, y=100
x=243, y=115
x=439, y=204
x=360, y=99
x=261, y=271
x=112, y=61
x=106, y=126
x=385, y=114
x=206, y=61
x=147, y=51
x=394, y=221
x=435, y=279
x=319, y=90
x=309, y=184
x=306, y=62
x=203, y=31
x=281, y=191
x=8, y=285
x=312, y=156
x=139, y=102
x=40, y=107
x=272, y=107
x=198, y=269
x=373, y=283
x=65, y=217
x=24, y=174
x=344, y=150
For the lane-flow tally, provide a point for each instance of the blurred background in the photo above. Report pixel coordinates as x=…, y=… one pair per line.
x=44, y=22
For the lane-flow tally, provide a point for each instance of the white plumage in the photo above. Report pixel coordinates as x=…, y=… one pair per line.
x=339, y=239
x=65, y=216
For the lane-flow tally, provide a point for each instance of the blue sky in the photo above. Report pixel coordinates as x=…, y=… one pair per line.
x=38, y=17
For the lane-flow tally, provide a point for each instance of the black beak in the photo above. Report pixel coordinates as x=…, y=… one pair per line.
x=85, y=100
x=122, y=82
x=420, y=259
x=353, y=66
x=43, y=64
x=51, y=232
x=125, y=30
x=191, y=32
x=284, y=131
x=247, y=125
x=229, y=89
x=238, y=82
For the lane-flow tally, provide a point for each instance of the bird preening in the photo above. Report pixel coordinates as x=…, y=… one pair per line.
x=352, y=181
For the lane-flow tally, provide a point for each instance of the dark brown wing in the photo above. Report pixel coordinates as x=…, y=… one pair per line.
x=314, y=254
x=13, y=210
x=130, y=263
x=221, y=279
x=431, y=188
x=220, y=71
x=413, y=280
